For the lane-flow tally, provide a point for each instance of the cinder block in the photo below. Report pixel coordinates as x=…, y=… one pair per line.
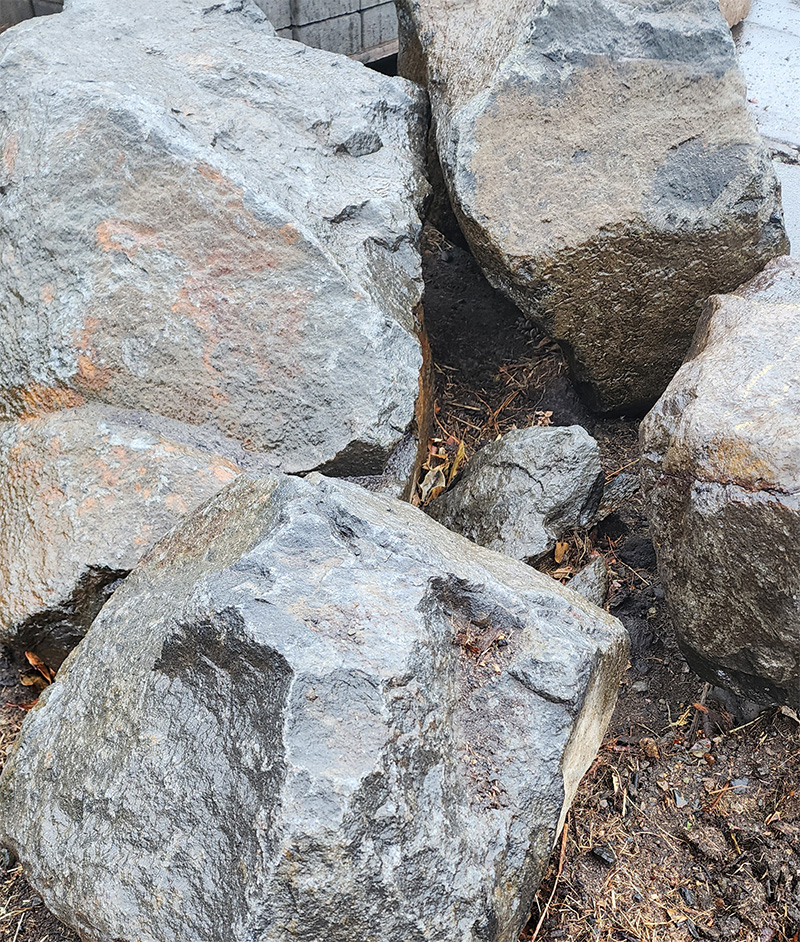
x=278, y=12
x=314, y=11
x=341, y=34
x=378, y=25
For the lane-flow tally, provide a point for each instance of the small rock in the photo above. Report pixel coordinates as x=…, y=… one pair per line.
x=519, y=495
x=605, y=853
x=640, y=686
x=740, y=785
x=592, y=581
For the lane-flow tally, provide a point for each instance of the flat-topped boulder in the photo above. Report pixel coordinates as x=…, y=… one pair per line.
x=721, y=473
x=604, y=167
x=84, y=493
x=211, y=224
x=312, y=712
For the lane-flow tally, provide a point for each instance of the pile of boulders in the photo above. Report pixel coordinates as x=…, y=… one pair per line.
x=297, y=708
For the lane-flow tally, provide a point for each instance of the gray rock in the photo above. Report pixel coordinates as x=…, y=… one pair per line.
x=522, y=493
x=592, y=582
x=604, y=167
x=282, y=726
x=205, y=222
x=83, y=494
x=721, y=476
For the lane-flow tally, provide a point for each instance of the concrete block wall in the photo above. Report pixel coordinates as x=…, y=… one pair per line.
x=365, y=29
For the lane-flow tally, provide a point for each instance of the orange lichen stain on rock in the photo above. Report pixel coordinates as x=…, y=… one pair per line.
x=10, y=152
x=225, y=474
x=47, y=294
x=733, y=461
x=37, y=399
x=90, y=376
x=177, y=504
x=116, y=235
x=289, y=234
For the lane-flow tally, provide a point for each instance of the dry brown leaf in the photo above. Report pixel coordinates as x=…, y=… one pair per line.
x=432, y=485
x=649, y=747
x=458, y=462
x=36, y=662
x=561, y=551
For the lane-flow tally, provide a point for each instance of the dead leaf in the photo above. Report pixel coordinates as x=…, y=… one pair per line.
x=459, y=460
x=36, y=662
x=649, y=747
x=28, y=680
x=433, y=484
x=561, y=551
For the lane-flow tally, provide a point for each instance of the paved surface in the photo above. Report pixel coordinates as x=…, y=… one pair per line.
x=769, y=51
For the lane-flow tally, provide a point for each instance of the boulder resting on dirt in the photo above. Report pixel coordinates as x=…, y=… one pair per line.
x=721, y=475
x=604, y=167
x=522, y=493
x=312, y=712
x=83, y=494
x=211, y=224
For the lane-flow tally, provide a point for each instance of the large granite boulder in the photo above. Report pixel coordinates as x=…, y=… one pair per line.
x=205, y=222
x=83, y=494
x=523, y=492
x=602, y=162
x=311, y=712
x=721, y=472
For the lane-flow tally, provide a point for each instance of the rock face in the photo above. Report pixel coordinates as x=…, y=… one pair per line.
x=311, y=712
x=592, y=581
x=603, y=165
x=520, y=494
x=210, y=224
x=83, y=494
x=721, y=472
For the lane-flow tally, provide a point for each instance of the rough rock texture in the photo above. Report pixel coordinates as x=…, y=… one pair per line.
x=205, y=222
x=520, y=494
x=592, y=582
x=734, y=11
x=83, y=494
x=603, y=165
x=283, y=726
x=721, y=472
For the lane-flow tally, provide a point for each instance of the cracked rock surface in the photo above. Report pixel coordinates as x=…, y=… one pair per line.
x=721, y=472
x=522, y=493
x=205, y=222
x=312, y=712
x=604, y=167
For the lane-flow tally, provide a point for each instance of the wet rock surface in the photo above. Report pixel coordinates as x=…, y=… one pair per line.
x=721, y=471
x=196, y=224
x=312, y=711
x=603, y=165
x=522, y=493
x=83, y=494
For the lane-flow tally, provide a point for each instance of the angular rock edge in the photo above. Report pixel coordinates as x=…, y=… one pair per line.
x=278, y=726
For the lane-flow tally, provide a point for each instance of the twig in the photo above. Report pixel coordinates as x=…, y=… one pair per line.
x=19, y=926
x=555, y=882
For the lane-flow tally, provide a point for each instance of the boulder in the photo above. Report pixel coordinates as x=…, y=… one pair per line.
x=211, y=224
x=721, y=475
x=311, y=712
x=604, y=167
x=522, y=493
x=83, y=494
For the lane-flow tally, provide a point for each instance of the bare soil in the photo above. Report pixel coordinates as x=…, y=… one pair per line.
x=687, y=825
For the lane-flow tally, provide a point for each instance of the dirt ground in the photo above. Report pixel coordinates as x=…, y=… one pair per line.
x=687, y=826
